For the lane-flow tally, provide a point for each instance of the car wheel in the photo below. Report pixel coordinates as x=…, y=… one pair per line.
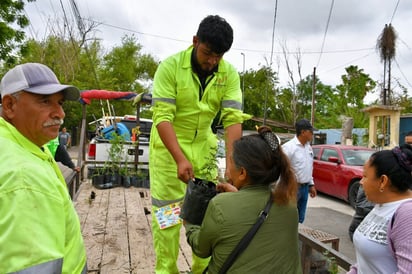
x=353, y=193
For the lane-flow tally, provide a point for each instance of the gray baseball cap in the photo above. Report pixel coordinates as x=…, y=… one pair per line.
x=35, y=78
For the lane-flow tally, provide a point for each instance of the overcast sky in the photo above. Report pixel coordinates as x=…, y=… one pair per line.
x=164, y=27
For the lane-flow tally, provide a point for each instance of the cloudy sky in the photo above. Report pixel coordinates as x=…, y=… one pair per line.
x=330, y=34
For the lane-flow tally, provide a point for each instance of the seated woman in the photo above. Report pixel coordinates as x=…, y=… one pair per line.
x=383, y=240
x=258, y=170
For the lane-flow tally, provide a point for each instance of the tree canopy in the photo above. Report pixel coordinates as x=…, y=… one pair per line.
x=12, y=38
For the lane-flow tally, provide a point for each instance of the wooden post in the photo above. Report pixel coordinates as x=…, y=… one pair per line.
x=82, y=144
x=136, y=152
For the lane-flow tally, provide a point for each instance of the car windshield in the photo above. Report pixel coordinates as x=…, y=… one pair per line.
x=356, y=157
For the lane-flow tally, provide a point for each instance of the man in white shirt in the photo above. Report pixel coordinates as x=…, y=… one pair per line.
x=300, y=154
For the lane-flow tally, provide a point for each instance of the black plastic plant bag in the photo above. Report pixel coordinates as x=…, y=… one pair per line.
x=198, y=195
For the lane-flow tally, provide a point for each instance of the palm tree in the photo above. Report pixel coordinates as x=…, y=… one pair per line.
x=386, y=47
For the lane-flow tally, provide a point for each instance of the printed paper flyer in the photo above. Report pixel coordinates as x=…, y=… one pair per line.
x=168, y=216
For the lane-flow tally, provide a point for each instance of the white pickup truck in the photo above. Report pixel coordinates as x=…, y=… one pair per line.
x=99, y=146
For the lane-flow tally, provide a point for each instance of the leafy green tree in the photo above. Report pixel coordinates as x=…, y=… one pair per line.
x=351, y=93
x=325, y=103
x=258, y=84
x=68, y=61
x=12, y=21
x=125, y=68
x=402, y=99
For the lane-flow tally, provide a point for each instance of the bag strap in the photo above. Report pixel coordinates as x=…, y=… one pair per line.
x=241, y=246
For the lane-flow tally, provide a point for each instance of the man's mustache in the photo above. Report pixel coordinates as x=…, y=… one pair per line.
x=55, y=122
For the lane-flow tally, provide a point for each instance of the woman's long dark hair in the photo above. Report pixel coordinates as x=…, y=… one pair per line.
x=262, y=157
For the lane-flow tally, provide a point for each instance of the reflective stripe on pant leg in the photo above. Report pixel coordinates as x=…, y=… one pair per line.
x=166, y=246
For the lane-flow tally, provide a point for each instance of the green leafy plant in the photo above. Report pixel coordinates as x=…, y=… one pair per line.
x=333, y=267
x=115, y=154
x=209, y=169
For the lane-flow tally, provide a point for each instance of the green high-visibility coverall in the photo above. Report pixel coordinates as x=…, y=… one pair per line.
x=52, y=146
x=178, y=98
x=39, y=228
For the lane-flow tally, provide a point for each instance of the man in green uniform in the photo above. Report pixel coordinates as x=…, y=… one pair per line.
x=39, y=228
x=190, y=88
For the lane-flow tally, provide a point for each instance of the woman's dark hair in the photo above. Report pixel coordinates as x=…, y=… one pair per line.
x=396, y=164
x=262, y=157
x=216, y=33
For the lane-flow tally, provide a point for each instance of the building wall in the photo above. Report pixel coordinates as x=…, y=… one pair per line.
x=405, y=126
x=333, y=136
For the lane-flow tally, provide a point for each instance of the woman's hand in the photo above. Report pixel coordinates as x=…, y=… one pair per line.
x=226, y=187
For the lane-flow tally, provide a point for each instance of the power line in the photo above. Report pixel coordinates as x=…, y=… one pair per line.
x=394, y=11
x=403, y=75
x=135, y=31
x=233, y=48
x=270, y=64
x=326, y=31
x=273, y=31
x=348, y=63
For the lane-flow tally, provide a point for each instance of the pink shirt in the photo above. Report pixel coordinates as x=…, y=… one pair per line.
x=399, y=239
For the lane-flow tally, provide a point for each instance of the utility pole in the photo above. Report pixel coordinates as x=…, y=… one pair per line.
x=80, y=26
x=312, y=114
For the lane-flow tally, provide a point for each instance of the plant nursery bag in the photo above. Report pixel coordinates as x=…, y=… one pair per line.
x=198, y=194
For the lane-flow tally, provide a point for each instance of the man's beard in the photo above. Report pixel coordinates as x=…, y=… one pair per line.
x=197, y=67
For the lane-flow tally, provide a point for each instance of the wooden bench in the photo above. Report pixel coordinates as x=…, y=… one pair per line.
x=313, y=239
x=72, y=179
x=321, y=236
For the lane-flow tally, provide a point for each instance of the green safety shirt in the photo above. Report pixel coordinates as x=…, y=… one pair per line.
x=39, y=228
x=52, y=146
x=178, y=98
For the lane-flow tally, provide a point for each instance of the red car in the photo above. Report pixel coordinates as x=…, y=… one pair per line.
x=337, y=170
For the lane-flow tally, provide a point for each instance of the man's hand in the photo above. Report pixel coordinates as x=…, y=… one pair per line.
x=185, y=171
x=312, y=191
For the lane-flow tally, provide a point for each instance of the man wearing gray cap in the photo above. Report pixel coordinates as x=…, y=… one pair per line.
x=300, y=154
x=39, y=228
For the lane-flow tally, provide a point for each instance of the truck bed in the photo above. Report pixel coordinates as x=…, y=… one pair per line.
x=98, y=154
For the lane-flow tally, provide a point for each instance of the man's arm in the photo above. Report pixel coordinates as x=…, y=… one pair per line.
x=232, y=133
x=63, y=156
x=169, y=139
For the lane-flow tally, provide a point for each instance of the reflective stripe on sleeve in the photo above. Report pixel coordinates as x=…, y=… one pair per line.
x=167, y=100
x=231, y=104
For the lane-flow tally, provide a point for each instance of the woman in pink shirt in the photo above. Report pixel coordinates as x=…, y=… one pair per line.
x=383, y=240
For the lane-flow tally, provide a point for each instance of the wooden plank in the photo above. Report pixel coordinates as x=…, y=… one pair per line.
x=184, y=261
x=142, y=257
x=93, y=216
x=116, y=228
x=81, y=203
x=116, y=245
